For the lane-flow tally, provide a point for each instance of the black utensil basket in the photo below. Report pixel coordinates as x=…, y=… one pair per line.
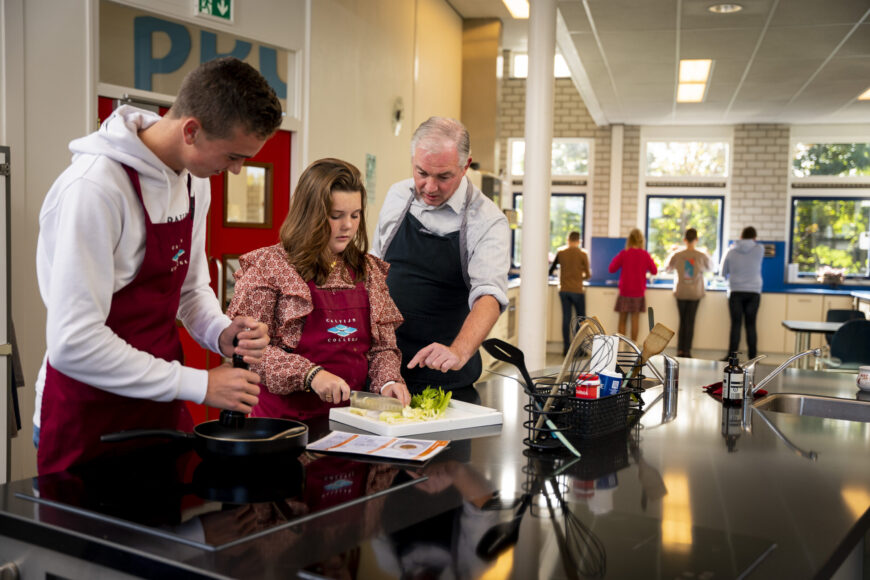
x=581, y=419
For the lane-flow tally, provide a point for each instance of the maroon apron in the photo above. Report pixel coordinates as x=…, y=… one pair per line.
x=143, y=313
x=336, y=336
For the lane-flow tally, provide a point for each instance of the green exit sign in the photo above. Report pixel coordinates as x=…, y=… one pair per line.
x=220, y=9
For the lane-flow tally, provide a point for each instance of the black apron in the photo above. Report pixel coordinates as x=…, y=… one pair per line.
x=428, y=281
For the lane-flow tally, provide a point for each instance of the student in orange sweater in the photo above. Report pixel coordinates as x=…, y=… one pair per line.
x=634, y=263
x=573, y=266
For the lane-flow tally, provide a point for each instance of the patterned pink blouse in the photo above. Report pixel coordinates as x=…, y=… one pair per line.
x=269, y=289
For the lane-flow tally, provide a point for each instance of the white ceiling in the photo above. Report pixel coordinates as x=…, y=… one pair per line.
x=776, y=61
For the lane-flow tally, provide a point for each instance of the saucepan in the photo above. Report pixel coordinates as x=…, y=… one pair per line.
x=215, y=439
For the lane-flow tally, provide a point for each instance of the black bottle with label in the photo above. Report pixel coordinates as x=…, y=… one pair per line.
x=733, y=381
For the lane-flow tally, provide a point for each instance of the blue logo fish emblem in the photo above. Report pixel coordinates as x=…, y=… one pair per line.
x=337, y=484
x=177, y=255
x=342, y=330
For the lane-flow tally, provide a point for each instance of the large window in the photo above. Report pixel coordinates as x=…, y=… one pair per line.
x=831, y=232
x=570, y=157
x=831, y=160
x=520, y=66
x=668, y=218
x=567, y=214
x=829, y=227
x=678, y=158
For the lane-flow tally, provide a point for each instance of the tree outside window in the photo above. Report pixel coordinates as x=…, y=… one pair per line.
x=567, y=214
x=832, y=159
x=687, y=159
x=569, y=157
x=668, y=218
x=832, y=232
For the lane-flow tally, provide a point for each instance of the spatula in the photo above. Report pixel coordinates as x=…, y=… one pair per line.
x=656, y=341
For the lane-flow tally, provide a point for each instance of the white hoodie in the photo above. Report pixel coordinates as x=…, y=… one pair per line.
x=91, y=244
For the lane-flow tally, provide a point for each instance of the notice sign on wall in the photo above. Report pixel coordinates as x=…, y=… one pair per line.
x=220, y=9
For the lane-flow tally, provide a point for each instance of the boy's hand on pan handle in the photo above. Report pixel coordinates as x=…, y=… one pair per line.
x=233, y=389
x=330, y=388
x=252, y=337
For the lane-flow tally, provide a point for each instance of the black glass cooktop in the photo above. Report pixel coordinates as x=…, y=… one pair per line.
x=212, y=504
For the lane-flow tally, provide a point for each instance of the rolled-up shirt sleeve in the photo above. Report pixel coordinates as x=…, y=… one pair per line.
x=488, y=258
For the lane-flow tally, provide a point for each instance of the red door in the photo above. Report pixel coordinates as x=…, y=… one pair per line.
x=226, y=241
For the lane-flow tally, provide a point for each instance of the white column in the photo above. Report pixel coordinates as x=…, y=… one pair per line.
x=617, y=136
x=536, y=183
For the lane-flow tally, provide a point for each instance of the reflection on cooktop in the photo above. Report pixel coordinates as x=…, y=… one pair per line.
x=211, y=505
x=641, y=546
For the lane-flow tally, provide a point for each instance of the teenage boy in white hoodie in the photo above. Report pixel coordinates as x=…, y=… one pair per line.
x=121, y=255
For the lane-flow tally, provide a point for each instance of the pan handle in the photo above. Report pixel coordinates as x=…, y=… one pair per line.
x=234, y=419
x=145, y=433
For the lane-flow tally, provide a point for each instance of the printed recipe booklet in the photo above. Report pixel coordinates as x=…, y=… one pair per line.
x=379, y=446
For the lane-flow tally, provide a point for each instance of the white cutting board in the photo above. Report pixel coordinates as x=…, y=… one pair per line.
x=459, y=415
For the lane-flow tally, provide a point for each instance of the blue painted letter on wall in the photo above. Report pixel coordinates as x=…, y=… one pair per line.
x=144, y=28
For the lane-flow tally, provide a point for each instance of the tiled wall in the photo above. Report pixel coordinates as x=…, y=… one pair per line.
x=759, y=186
x=760, y=166
x=630, y=176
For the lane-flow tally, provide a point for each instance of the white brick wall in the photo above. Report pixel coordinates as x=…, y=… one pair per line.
x=759, y=184
x=571, y=119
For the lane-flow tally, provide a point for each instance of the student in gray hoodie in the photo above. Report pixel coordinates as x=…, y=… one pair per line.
x=741, y=266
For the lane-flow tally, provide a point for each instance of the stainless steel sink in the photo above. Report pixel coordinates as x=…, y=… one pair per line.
x=816, y=406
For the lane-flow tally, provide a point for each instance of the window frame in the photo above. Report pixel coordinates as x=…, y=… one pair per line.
x=555, y=191
x=847, y=187
x=517, y=54
x=729, y=155
x=809, y=277
x=717, y=259
x=686, y=186
x=590, y=145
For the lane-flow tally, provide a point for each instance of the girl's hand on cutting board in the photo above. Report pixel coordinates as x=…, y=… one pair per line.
x=397, y=391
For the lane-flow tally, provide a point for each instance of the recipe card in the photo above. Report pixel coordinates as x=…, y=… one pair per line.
x=379, y=446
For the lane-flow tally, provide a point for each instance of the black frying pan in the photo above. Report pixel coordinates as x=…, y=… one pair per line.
x=238, y=438
x=213, y=440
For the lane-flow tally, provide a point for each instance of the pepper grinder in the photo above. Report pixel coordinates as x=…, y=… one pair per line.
x=234, y=419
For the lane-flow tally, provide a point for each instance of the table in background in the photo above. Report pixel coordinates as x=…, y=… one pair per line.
x=803, y=329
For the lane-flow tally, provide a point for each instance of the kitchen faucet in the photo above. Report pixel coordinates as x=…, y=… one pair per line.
x=750, y=388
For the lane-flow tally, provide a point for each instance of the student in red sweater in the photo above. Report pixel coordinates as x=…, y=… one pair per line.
x=634, y=262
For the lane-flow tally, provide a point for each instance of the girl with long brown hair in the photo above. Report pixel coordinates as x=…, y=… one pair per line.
x=324, y=299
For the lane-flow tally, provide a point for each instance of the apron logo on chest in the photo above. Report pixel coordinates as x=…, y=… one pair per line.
x=178, y=258
x=342, y=330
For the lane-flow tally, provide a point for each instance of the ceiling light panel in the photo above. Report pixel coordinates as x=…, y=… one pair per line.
x=695, y=71
x=518, y=8
x=690, y=92
x=725, y=8
x=865, y=96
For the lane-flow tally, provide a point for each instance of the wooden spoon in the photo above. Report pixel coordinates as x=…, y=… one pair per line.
x=655, y=343
x=287, y=433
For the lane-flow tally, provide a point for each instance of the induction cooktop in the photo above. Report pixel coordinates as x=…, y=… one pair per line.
x=212, y=504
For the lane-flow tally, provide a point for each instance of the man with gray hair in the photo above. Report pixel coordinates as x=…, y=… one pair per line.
x=447, y=246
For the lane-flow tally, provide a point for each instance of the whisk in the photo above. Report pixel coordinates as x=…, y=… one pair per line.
x=580, y=348
x=584, y=549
